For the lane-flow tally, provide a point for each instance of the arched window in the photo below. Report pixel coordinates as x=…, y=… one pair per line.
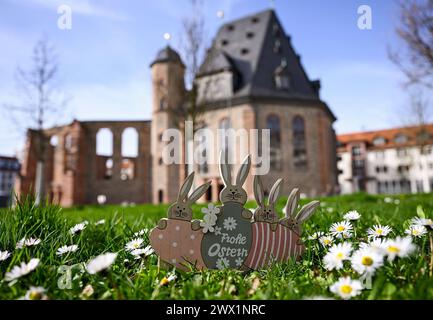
x=70, y=151
x=202, y=156
x=130, y=143
x=400, y=138
x=299, y=143
x=273, y=124
x=379, y=141
x=160, y=196
x=104, y=153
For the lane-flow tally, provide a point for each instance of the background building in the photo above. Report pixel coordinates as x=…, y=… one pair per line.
x=9, y=170
x=251, y=78
x=393, y=161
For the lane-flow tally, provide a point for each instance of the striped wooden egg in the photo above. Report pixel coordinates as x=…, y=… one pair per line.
x=270, y=246
x=178, y=245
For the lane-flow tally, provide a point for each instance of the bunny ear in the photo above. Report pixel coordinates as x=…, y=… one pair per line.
x=243, y=171
x=307, y=211
x=258, y=191
x=199, y=192
x=274, y=194
x=292, y=203
x=225, y=169
x=186, y=186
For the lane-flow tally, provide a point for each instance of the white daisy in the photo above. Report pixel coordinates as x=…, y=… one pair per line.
x=239, y=261
x=101, y=262
x=352, y=215
x=222, y=263
x=30, y=242
x=316, y=235
x=366, y=260
x=399, y=247
x=134, y=244
x=376, y=244
x=340, y=228
x=78, y=227
x=422, y=222
x=211, y=209
x=35, y=293
x=387, y=200
x=326, y=241
x=139, y=253
x=66, y=249
x=416, y=231
x=141, y=232
x=217, y=230
x=4, y=255
x=346, y=288
x=336, y=255
x=21, y=270
x=169, y=278
x=379, y=231
x=102, y=221
x=229, y=224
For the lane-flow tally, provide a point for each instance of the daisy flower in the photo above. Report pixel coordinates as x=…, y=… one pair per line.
x=387, y=200
x=78, y=227
x=35, y=293
x=416, y=231
x=67, y=249
x=316, y=235
x=336, y=255
x=379, y=231
x=138, y=253
x=166, y=280
x=141, y=232
x=27, y=242
x=366, y=260
x=399, y=247
x=4, y=255
x=352, y=216
x=101, y=262
x=230, y=224
x=338, y=229
x=346, y=288
x=134, y=244
x=21, y=270
x=378, y=245
x=428, y=223
x=102, y=221
x=326, y=241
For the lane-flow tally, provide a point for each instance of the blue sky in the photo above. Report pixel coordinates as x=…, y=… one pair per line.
x=104, y=59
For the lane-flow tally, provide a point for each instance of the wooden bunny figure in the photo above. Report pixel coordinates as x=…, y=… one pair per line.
x=229, y=244
x=293, y=221
x=269, y=243
x=177, y=240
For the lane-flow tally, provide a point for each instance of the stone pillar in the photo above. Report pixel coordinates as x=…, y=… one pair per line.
x=117, y=152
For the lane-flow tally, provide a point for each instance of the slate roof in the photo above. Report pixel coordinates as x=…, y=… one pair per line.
x=167, y=54
x=247, y=47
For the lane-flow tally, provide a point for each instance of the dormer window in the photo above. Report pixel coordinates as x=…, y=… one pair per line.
x=379, y=141
x=277, y=46
x=400, y=138
x=281, y=76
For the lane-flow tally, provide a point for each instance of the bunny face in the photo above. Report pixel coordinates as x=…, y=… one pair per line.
x=266, y=212
x=233, y=194
x=180, y=211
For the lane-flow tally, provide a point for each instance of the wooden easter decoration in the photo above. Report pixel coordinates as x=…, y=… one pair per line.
x=228, y=237
x=177, y=240
x=276, y=240
x=228, y=246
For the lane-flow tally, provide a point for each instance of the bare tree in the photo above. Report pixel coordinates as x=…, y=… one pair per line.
x=416, y=32
x=39, y=104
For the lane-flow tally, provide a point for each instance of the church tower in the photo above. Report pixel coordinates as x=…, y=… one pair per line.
x=168, y=88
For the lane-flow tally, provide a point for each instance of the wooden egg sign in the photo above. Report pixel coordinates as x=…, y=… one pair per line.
x=231, y=236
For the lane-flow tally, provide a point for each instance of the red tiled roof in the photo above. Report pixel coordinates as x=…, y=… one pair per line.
x=389, y=135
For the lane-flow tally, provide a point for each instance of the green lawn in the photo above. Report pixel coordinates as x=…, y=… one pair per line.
x=405, y=278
